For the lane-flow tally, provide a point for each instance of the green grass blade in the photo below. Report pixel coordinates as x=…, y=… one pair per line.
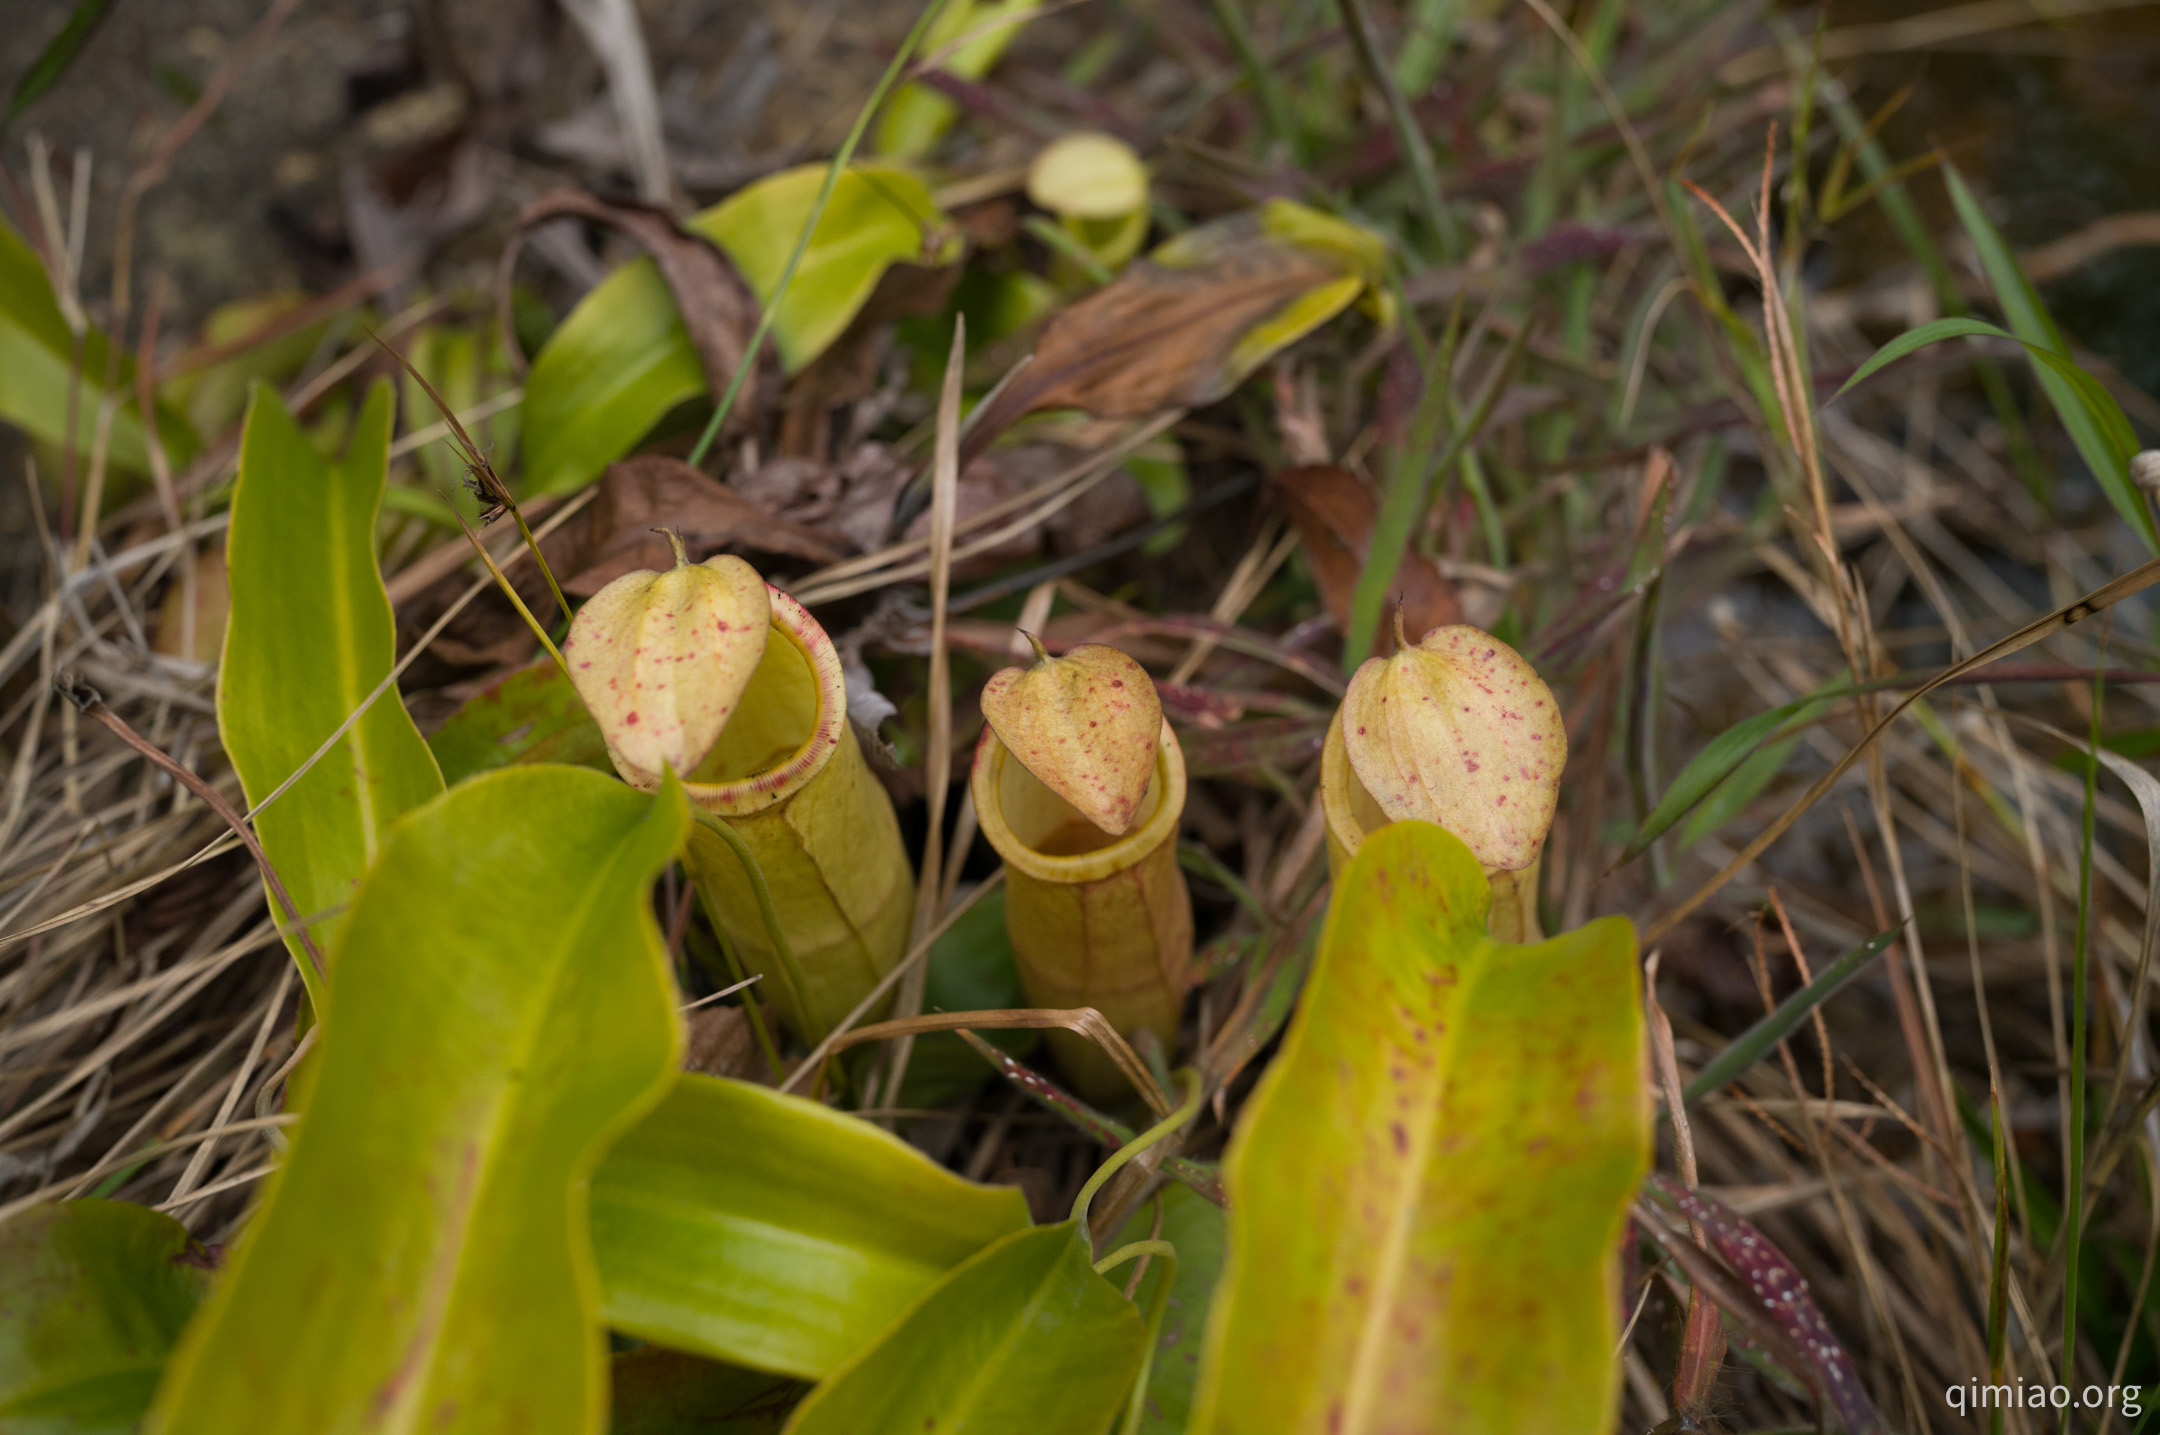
x=1755, y=1043
x=1718, y=760
x=53, y=61
x=2098, y=439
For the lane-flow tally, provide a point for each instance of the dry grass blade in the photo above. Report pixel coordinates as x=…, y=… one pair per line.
x=937, y=756
x=87, y=702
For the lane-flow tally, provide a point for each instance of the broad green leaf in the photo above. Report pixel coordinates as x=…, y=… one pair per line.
x=2087, y=411
x=1025, y=1337
x=533, y=715
x=879, y=215
x=503, y=1010
x=310, y=636
x=1428, y=1187
x=1194, y=1225
x=623, y=359
x=664, y=1392
x=92, y=1296
x=37, y=355
x=773, y=1232
x=1718, y=760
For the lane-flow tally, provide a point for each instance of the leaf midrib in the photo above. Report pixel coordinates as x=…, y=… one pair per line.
x=1362, y=1388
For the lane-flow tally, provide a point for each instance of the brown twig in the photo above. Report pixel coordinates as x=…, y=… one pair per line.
x=91, y=704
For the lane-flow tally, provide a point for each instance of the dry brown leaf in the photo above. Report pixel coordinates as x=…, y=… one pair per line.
x=1158, y=337
x=717, y=307
x=641, y=494
x=661, y=659
x=1459, y=729
x=1334, y=515
x=1086, y=724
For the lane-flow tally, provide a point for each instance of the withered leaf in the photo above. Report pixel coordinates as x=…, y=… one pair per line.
x=1334, y=515
x=652, y=490
x=1172, y=335
x=717, y=306
x=1086, y=724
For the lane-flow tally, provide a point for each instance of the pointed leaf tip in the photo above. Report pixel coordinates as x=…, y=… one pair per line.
x=1458, y=729
x=662, y=659
x=1086, y=724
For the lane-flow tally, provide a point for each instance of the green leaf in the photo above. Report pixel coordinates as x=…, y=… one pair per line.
x=310, y=637
x=503, y=1009
x=2092, y=417
x=533, y=715
x=94, y=1296
x=1024, y=1337
x=623, y=359
x=1718, y=760
x=53, y=61
x=776, y=1233
x=664, y=1392
x=1920, y=338
x=1427, y=1189
x=1194, y=1225
x=37, y=356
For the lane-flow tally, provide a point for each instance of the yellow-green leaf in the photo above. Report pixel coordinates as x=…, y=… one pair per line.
x=92, y=1296
x=623, y=359
x=776, y=1233
x=503, y=1009
x=37, y=355
x=310, y=636
x=1025, y=1337
x=1427, y=1189
x=878, y=215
